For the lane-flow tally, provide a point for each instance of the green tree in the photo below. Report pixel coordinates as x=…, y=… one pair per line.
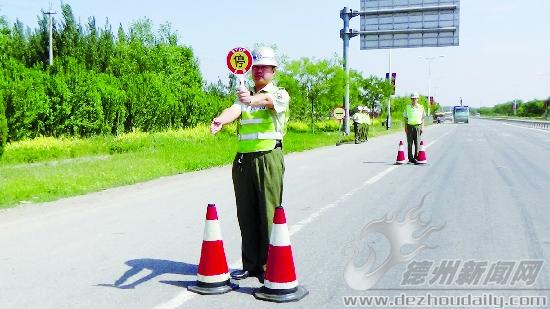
x=5, y=41
x=26, y=102
x=3, y=126
x=4, y=49
x=316, y=87
x=38, y=42
x=375, y=92
x=99, y=83
x=533, y=108
x=70, y=41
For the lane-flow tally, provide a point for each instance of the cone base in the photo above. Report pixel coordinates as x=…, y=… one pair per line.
x=201, y=288
x=400, y=162
x=421, y=162
x=264, y=293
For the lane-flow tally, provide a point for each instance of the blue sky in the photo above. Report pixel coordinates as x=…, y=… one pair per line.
x=504, y=50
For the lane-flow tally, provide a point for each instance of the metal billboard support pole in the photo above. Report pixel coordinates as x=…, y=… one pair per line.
x=346, y=14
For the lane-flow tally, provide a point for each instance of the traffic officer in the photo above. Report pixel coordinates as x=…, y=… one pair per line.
x=258, y=166
x=357, y=120
x=414, y=119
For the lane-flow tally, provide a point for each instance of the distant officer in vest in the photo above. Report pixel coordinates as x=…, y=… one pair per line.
x=366, y=123
x=357, y=119
x=258, y=166
x=414, y=125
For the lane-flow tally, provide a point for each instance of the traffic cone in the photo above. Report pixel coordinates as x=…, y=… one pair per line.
x=280, y=283
x=213, y=273
x=401, y=154
x=421, y=158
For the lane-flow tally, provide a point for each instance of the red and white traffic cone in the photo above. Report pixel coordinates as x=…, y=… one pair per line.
x=280, y=283
x=421, y=158
x=401, y=154
x=213, y=273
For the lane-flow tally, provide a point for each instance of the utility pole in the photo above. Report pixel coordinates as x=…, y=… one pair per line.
x=50, y=26
x=515, y=101
x=388, y=120
x=430, y=59
x=547, y=94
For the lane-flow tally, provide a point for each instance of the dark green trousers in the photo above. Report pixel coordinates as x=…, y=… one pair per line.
x=357, y=132
x=413, y=137
x=364, y=132
x=258, y=183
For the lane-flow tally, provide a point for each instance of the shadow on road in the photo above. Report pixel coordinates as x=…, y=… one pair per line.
x=151, y=268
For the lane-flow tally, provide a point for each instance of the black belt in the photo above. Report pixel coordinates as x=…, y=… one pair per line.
x=278, y=144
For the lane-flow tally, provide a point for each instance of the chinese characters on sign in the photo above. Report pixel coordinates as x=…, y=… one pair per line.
x=239, y=60
x=447, y=272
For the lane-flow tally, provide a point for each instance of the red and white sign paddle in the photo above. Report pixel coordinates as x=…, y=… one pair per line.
x=239, y=61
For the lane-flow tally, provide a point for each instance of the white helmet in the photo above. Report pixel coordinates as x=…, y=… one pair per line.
x=264, y=56
x=414, y=95
x=359, y=108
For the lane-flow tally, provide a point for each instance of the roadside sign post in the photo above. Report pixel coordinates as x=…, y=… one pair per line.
x=339, y=114
x=239, y=61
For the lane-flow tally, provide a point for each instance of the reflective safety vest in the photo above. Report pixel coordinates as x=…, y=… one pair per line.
x=367, y=119
x=414, y=114
x=356, y=117
x=260, y=128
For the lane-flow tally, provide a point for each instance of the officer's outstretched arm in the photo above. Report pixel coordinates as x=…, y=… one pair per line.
x=228, y=115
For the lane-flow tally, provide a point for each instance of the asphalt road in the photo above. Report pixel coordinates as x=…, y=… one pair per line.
x=487, y=186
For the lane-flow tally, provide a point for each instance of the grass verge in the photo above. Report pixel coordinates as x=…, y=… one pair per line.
x=46, y=169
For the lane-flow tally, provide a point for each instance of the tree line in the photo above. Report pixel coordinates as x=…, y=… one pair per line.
x=109, y=82
x=533, y=108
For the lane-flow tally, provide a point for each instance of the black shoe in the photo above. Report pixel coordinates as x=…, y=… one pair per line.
x=413, y=161
x=260, y=277
x=240, y=274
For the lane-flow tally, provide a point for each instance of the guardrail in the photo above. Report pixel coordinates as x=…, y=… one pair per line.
x=536, y=124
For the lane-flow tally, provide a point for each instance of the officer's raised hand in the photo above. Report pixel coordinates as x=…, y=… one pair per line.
x=244, y=96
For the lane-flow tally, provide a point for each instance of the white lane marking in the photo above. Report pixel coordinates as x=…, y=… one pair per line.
x=524, y=127
x=177, y=301
x=436, y=140
x=380, y=175
x=185, y=296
